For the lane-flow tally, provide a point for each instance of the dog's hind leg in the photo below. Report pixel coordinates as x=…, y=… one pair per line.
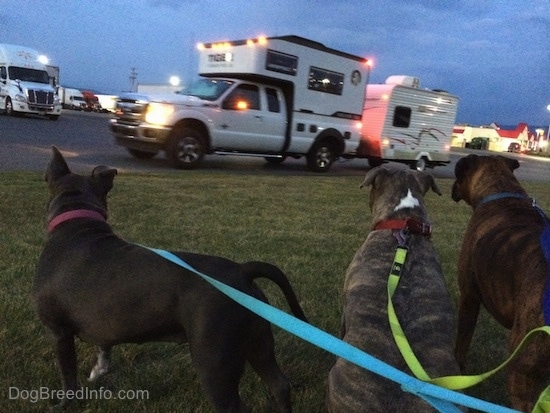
x=103, y=363
x=468, y=312
x=66, y=357
x=262, y=359
x=219, y=371
x=528, y=373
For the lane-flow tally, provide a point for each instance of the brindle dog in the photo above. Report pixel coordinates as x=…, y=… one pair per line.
x=502, y=266
x=421, y=300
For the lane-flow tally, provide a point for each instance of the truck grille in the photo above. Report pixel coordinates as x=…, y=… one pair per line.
x=130, y=111
x=40, y=97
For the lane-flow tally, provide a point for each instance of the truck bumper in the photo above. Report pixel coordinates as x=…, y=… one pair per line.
x=141, y=137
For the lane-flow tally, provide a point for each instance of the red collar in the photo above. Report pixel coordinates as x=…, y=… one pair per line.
x=77, y=213
x=413, y=225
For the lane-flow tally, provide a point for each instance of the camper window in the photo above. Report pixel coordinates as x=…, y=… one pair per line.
x=402, y=117
x=323, y=80
x=281, y=62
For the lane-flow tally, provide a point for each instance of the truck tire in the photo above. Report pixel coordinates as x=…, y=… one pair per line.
x=141, y=154
x=9, y=108
x=321, y=156
x=186, y=149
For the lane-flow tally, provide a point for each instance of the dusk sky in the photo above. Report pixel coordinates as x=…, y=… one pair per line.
x=494, y=55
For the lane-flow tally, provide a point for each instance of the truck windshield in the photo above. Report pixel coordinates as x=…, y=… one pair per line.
x=207, y=89
x=28, y=75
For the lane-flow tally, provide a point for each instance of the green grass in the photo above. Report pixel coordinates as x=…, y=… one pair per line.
x=310, y=226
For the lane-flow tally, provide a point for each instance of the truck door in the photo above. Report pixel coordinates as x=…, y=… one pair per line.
x=252, y=119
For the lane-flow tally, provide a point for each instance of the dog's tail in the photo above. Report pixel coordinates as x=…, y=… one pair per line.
x=259, y=269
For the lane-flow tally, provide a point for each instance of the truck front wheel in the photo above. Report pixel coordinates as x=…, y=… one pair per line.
x=186, y=149
x=321, y=156
x=9, y=108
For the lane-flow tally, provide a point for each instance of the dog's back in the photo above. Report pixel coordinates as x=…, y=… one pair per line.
x=421, y=301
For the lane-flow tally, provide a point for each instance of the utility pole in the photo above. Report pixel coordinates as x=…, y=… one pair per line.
x=133, y=78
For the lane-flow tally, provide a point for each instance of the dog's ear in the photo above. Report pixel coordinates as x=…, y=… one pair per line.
x=464, y=164
x=104, y=177
x=57, y=167
x=512, y=164
x=371, y=176
x=427, y=182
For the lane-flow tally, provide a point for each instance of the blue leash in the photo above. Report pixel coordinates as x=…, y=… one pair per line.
x=442, y=399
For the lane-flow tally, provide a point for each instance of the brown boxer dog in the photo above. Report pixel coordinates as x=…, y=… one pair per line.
x=502, y=266
x=421, y=300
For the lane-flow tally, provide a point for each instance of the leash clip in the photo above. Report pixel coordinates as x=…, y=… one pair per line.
x=402, y=236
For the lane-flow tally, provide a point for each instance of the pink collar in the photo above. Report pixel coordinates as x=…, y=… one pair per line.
x=77, y=213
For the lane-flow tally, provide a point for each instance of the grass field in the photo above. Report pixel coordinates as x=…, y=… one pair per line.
x=310, y=226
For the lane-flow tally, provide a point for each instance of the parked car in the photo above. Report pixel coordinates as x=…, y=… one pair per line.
x=514, y=147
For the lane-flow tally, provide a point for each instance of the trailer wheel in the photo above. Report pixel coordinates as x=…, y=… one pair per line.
x=420, y=164
x=141, y=154
x=186, y=149
x=321, y=156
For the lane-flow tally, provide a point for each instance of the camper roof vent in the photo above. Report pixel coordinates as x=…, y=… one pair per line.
x=409, y=81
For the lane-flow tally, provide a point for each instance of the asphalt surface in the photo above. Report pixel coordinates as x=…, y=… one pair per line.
x=85, y=140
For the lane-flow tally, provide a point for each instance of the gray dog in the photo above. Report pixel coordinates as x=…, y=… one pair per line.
x=421, y=301
x=92, y=284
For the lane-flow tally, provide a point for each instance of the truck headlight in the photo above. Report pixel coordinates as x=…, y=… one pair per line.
x=158, y=113
x=20, y=98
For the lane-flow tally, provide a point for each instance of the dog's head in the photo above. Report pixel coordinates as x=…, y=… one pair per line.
x=69, y=191
x=398, y=192
x=479, y=176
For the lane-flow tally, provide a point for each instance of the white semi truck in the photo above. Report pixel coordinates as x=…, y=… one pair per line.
x=25, y=84
x=272, y=97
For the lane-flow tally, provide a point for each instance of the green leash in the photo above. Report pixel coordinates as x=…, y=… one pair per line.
x=448, y=382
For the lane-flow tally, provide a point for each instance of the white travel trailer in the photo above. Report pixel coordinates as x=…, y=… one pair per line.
x=404, y=123
x=25, y=83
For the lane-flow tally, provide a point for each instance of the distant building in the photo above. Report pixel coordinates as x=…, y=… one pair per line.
x=492, y=137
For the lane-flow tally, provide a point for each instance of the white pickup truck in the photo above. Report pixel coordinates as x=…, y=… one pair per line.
x=272, y=97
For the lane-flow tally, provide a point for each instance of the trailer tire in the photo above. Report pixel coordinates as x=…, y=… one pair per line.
x=141, y=154
x=186, y=149
x=420, y=164
x=321, y=156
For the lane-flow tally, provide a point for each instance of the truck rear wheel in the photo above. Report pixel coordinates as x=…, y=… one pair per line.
x=321, y=156
x=186, y=149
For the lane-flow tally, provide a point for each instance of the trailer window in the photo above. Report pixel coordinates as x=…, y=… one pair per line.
x=273, y=104
x=402, y=117
x=243, y=97
x=323, y=80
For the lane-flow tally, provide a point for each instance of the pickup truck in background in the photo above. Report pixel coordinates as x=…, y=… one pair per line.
x=272, y=97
